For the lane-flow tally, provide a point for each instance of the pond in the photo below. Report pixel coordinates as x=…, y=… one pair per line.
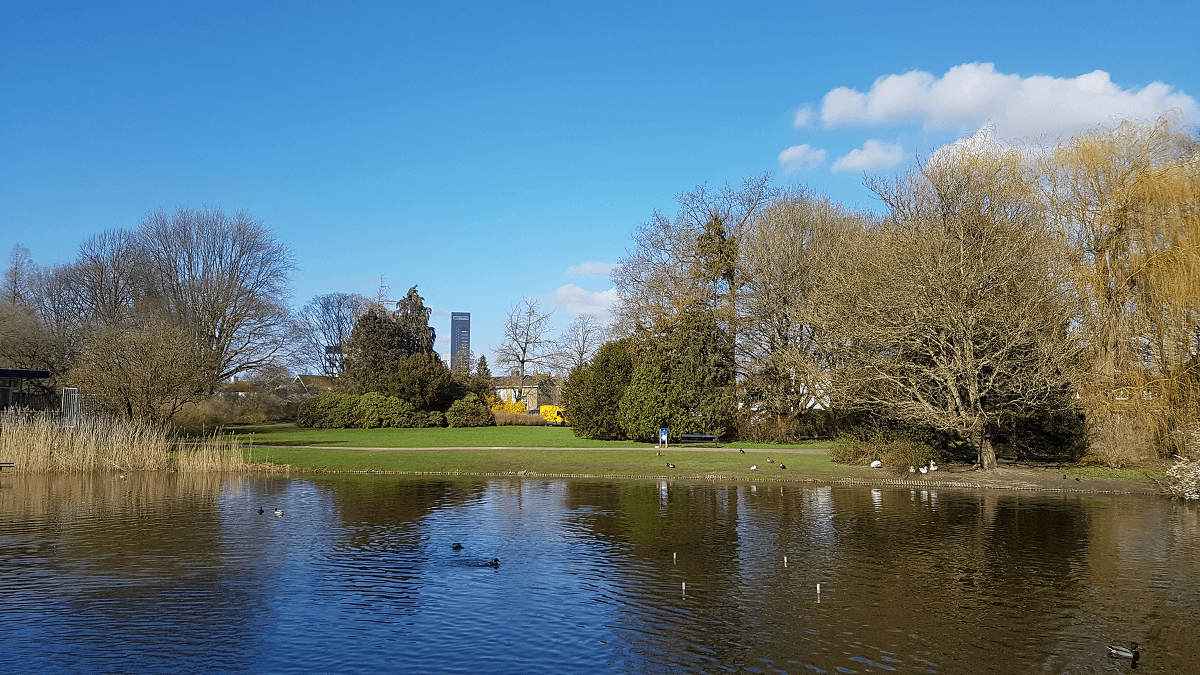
x=178, y=573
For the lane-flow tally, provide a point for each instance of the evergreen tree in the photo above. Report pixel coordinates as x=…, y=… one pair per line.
x=593, y=393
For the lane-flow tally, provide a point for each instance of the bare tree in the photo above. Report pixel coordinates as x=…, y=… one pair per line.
x=526, y=343
x=784, y=356
x=951, y=315
x=18, y=277
x=146, y=372
x=324, y=325
x=689, y=260
x=579, y=342
x=226, y=280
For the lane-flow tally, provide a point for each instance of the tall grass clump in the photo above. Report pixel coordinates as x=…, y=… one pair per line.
x=38, y=443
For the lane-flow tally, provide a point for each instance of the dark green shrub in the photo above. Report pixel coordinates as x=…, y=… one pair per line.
x=592, y=394
x=469, y=411
x=333, y=410
x=374, y=410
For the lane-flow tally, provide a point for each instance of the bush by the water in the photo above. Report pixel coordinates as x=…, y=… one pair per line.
x=1183, y=479
x=470, y=411
x=897, y=451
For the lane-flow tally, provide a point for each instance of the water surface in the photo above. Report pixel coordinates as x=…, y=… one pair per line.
x=175, y=573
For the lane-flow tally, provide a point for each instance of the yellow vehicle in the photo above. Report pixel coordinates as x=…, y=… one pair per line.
x=555, y=415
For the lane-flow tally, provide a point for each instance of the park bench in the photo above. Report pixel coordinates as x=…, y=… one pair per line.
x=698, y=438
x=5, y=465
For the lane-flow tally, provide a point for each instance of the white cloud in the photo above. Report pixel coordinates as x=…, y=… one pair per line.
x=590, y=269
x=971, y=94
x=800, y=157
x=579, y=301
x=803, y=117
x=873, y=155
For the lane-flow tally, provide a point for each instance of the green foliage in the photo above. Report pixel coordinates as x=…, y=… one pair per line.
x=392, y=352
x=375, y=346
x=470, y=411
x=593, y=393
x=423, y=380
x=687, y=386
x=643, y=409
x=1059, y=434
x=375, y=410
x=334, y=410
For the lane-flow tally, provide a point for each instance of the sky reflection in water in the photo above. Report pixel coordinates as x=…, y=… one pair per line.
x=181, y=574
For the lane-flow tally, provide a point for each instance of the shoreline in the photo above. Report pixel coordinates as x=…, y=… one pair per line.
x=540, y=462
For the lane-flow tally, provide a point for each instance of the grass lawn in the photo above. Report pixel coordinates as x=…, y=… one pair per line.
x=726, y=464
x=481, y=437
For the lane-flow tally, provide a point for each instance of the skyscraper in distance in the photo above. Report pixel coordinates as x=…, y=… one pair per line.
x=460, y=341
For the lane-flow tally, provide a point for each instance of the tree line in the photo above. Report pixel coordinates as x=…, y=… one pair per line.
x=1046, y=298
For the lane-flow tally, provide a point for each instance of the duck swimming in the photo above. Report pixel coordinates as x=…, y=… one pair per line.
x=1123, y=653
x=456, y=546
x=278, y=512
x=260, y=511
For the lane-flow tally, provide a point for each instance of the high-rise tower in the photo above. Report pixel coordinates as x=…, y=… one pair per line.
x=460, y=341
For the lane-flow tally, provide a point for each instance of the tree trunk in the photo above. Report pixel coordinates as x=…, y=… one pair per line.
x=987, y=455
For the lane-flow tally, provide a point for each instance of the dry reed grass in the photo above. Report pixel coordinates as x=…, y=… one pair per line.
x=38, y=443
x=1121, y=441
x=505, y=418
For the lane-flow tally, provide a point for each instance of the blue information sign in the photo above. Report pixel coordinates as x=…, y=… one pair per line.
x=662, y=435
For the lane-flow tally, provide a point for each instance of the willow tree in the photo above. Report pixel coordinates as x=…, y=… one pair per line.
x=1125, y=198
x=948, y=315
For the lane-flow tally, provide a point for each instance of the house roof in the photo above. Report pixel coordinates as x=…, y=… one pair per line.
x=532, y=381
x=27, y=374
x=316, y=381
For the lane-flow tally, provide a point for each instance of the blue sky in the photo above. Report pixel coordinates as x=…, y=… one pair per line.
x=489, y=151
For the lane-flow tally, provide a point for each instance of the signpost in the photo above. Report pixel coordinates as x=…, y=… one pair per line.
x=662, y=437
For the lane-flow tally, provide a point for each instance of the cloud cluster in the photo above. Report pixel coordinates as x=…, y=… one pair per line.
x=590, y=269
x=578, y=301
x=970, y=95
x=873, y=156
x=800, y=157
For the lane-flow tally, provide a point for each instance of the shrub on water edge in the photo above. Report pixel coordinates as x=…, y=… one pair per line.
x=332, y=410
x=469, y=411
x=895, y=449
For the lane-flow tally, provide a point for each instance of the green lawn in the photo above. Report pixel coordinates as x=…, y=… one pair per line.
x=482, y=437
x=727, y=464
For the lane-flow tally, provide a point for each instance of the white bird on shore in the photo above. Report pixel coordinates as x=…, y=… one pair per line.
x=932, y=466
x=754, y=468
x=876, y=464
x=912, y=469
x=924, y=470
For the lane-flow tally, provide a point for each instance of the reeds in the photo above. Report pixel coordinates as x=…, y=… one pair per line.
x=38, y=443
